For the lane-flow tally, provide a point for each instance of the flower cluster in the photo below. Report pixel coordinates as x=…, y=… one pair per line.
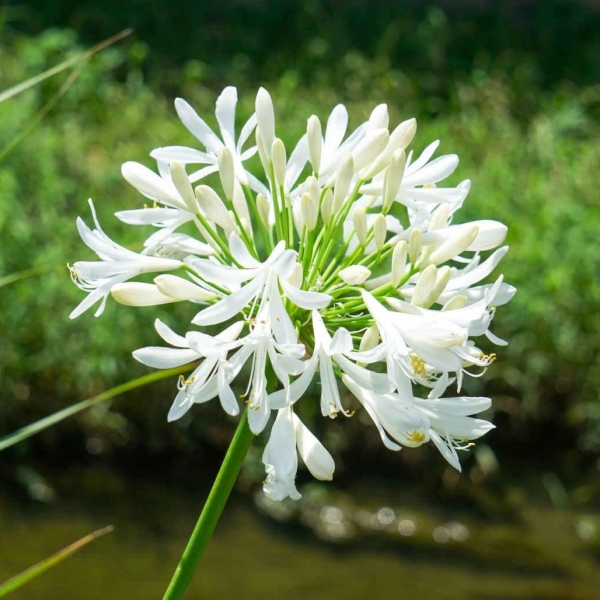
x=340, y=261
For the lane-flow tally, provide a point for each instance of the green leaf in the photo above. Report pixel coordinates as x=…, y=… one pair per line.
x=22, y=578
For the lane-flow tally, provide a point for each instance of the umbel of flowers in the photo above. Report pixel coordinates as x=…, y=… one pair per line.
x=337, y=262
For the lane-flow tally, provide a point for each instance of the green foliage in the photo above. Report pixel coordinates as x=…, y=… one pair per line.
x=537, y=172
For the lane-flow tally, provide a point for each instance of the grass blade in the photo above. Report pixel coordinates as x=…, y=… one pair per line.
x=22, y=578
x=13, y=277
x=80, y=60
x=20, y=87
x=25, y=432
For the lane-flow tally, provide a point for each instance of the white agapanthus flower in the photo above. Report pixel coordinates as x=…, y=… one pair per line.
x=341, y=263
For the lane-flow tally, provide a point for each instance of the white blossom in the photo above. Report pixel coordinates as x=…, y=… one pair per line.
x=339, y=260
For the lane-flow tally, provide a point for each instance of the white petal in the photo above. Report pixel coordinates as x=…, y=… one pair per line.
x=226, y=395
x=448, y=452
x=151, y=185
x=280, y=459
x=258, y=418
x=147, y=216
x=246, y=132
x=182, y=154
x=241, y=253
x=183, y=402
x=478, y=273
x=304, y=299
x=341, y=343
x=495, y=339
x=197, y=127
x=463, y=405
x=296, y=162
x=229, y=306
x=225, y=113
x=164, y=358
x=315, y=456
x=358, y=393
x=167, y=334
x=335, y=129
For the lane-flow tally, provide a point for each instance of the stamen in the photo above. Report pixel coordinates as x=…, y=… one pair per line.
x=184, y=384
x=418, y=365
x=416, y=437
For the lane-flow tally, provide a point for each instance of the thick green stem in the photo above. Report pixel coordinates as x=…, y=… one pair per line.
x=209, y=517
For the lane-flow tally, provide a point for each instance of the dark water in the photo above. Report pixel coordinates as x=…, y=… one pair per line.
x=326, y=547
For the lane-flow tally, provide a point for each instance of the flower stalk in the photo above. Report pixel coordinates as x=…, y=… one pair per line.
x=209, y=517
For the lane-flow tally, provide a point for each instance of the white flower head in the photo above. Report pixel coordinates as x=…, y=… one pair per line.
x=339, y=260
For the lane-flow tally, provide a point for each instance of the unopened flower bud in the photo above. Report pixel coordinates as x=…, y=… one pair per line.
x=393, y=178
x=264, y=208
x=227, y=171
x=265, y=157
x=424, y=286
x=454, y=245
x=134, y=293
x=379, y=118
x=399, y=262
x=297, y=276
x=310, y=211
x=213, y=206
x=265, y=118
x=315, y=142
x=312, y=188
x=369, y=148
x=359, y=219
x=414, y=245
x=354, y=274
x=379, y=230
x=343, y=181
x=179, y=288
x=278, y=156
x=370, y=339
x=455, y=303
x=441, y=281
x=402, y=136
x=298, y=216
x=183, y=185
x=439, y=219
x=491, y=234
x=327, y=206
x=240, y=206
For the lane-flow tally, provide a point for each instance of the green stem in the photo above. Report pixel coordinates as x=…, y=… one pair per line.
x=212, y=510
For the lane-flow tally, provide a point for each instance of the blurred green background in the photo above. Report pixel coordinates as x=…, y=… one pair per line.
x=514, y=89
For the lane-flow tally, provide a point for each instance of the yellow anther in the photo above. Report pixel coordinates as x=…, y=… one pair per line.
x=183, y=383
x=416, y=437
x=429, y=186
x=490, y=358
x=418, y=365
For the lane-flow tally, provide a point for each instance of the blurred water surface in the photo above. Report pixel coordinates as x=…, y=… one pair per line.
x=332, y=546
